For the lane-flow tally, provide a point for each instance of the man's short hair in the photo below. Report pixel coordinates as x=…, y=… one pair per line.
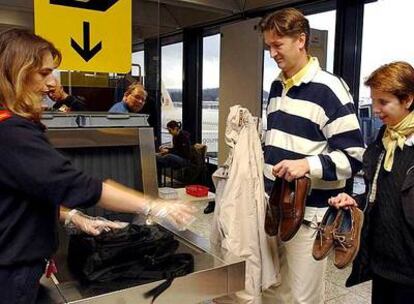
x=140, y=90
x=287, y=22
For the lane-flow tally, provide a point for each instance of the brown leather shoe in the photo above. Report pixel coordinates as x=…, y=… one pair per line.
x=347, y=237
x=292, y=206
x=272, y=219
x=324, y=238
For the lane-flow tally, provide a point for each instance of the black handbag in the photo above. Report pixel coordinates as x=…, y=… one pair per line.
x=140, y=254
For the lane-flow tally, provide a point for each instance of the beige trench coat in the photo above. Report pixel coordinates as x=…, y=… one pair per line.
x=238, y=222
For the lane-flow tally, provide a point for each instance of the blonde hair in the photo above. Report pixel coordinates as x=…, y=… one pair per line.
x=396, y=78
x=140, y=89
x=287, y=22
x=21, y=54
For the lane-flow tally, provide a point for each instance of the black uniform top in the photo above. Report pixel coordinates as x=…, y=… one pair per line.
x=387, y=238
x=181, y=145
x=34, y=180
x=75, y=103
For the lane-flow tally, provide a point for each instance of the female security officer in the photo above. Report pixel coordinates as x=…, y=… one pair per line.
x=36, y=180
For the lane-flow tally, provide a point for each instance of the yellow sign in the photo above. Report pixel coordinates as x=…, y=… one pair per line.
x=93, y=35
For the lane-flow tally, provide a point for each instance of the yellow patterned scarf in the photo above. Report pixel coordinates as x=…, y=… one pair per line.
x=396, y=136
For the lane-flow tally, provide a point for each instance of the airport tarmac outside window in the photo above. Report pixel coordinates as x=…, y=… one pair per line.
x=171, y=87
x=211, y=76
x=322, y=45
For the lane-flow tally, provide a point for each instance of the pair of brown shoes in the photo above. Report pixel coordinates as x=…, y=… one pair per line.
x=340, y=230
x=286, y=207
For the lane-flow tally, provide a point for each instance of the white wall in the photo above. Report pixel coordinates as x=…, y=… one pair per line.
x=241, y=54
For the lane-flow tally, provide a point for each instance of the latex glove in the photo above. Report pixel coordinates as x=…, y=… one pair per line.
x=176, y=213
x=91, y=225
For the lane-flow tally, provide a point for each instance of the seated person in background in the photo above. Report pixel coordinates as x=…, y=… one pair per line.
x=133, y=100
x=179, y=155
x=63, y=102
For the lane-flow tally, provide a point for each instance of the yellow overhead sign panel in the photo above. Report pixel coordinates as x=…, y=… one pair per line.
x=93, y=35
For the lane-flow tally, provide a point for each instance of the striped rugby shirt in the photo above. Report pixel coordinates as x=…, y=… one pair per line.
x=312, y=116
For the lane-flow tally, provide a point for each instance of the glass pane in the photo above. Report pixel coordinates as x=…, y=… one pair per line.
x=171, y=87
x=270, y=72
x=138, y=67
x=325, y=22
x=385, y=25
x=211, y=78
x=385, y=39
x=95, y=91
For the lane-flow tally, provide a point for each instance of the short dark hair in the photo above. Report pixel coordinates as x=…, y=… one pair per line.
x=287, y=22
x=172, y=124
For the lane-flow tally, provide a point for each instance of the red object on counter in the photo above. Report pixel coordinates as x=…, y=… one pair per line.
x=196, y=190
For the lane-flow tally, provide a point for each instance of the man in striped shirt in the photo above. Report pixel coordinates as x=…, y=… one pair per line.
x=312, y=129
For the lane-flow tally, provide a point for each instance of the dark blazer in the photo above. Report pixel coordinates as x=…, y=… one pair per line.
x=361, y=271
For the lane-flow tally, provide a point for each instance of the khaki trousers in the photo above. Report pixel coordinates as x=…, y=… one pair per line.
x=303, y=278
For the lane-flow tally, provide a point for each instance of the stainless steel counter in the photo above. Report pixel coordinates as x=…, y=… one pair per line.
x=214, y=274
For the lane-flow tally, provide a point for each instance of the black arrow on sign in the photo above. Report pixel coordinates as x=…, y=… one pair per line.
x=85, y=51
x=97, y=5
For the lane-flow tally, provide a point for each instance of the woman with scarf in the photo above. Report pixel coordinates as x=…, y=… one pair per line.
x=387, y=243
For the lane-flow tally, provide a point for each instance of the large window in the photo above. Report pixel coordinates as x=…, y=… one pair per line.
x=211, y=75
x=321, y=45
x=324, y=22
x=386, y=38
x=138, y=63
x=270, y=72
x=171, y=86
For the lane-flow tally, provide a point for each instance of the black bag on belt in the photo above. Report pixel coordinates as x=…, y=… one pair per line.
x=139, y=253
